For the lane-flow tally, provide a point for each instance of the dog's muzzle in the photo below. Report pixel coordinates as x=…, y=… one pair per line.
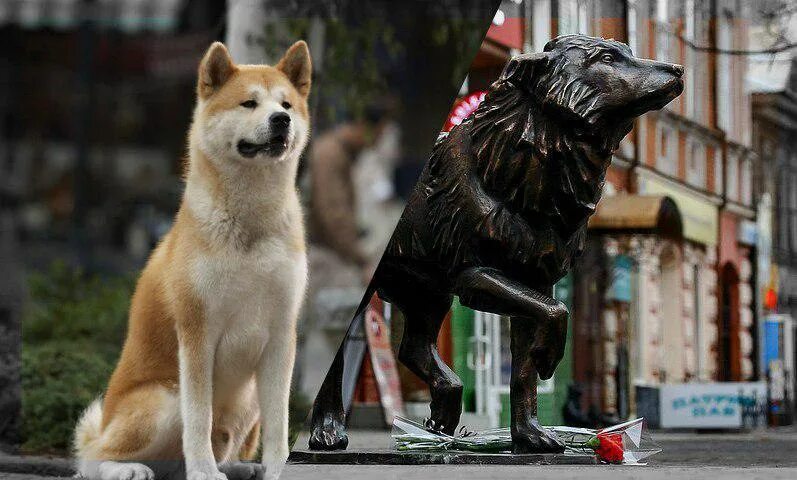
x=277, y=143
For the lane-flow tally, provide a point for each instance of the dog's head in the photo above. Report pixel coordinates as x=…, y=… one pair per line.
x=255, y=114
x=596, y=82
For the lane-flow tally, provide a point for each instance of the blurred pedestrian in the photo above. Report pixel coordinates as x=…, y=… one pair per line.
x=333, y=197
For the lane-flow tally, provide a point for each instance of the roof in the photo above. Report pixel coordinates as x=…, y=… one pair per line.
x=638, y=213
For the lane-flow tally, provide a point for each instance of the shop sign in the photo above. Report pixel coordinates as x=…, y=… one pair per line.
x=708, y=405
x=700, y=218
x=463, y=108
x=620, y=288
x=384, y=365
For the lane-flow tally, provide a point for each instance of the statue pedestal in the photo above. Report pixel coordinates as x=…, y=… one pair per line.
x=393, y=457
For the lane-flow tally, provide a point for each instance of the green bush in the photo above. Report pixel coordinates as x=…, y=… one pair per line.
x=59, y=379
x=72, y=331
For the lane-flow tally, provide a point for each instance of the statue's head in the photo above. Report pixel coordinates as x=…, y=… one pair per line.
x=593, y=81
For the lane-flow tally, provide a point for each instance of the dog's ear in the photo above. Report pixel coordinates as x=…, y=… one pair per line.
x=215, y=69
x=521, y=69
x=297, y=66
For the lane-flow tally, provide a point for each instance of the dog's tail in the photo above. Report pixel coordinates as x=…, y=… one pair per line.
x=88, y=433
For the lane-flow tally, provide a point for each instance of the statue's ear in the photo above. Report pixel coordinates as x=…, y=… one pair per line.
x=522, y=68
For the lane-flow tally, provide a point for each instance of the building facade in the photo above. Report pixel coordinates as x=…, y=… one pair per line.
x=774, y=130
x=666, y=294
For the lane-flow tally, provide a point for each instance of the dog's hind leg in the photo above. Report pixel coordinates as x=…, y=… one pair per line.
x=140, y=441
x=424, y=314
x=538, y=332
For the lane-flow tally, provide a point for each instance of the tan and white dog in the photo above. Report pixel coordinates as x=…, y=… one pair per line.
x=212, y=330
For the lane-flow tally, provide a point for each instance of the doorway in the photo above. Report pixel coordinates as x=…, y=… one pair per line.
x=728, y=361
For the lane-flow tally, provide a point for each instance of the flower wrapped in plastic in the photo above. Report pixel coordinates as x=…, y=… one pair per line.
x=625, y=443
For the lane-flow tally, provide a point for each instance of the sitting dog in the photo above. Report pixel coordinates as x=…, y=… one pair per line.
x=500, y=213
x=211, y=337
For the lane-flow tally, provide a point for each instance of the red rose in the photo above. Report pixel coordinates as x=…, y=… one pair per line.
x=610, y=447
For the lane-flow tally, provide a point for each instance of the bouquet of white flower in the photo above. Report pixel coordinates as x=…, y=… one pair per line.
x=625, y=443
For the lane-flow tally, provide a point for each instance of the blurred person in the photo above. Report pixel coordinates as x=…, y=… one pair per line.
x=338, y=255
x=333, y=196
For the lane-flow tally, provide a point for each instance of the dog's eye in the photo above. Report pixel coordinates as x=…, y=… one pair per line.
x=286, y=105
x=249, y=104
x=607, y=58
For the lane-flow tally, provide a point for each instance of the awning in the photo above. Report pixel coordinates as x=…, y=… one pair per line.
x=638, y=214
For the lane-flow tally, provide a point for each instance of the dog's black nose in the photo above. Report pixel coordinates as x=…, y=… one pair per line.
x=279, y=120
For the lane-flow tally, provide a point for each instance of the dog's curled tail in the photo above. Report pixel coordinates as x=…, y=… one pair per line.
x=88, y=431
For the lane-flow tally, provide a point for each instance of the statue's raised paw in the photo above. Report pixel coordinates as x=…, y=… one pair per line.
x=329, y=436
x=548, y=346
x=532, y=438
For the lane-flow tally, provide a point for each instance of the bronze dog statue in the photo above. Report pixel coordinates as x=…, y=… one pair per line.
x=498, y=216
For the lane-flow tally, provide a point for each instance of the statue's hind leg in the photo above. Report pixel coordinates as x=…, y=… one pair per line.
x=538, y=331
x=328, y=422
x=424, y=314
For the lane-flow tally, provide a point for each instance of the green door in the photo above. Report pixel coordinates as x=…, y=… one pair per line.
x=481, y=360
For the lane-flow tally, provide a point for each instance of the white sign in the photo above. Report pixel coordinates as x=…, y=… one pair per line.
x=707, y=405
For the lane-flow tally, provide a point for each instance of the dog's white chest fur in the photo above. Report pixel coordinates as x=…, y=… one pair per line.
x=246, y=295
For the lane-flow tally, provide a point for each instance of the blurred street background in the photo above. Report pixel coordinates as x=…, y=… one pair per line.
x=95, y=105
x=682, y=309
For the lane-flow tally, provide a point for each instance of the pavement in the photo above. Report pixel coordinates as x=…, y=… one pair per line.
x=767, y=454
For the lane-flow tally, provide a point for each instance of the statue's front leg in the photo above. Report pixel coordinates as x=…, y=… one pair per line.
x=527, y=434
x=538, y=330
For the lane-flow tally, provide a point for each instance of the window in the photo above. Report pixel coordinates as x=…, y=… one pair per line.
x=783, y=211
x=541, y=27
x=691, y=71
x=668, y=151
x=696, y=164
x=633, y=39
x=573, y=17
x=733, y=177
x=718, y=172
x=662, y=31
x=724, y=98
x=793, y=210
x=747, y=181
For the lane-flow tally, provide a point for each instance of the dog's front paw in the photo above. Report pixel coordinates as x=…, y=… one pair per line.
x=125, y=471
x=243, y=470
x=205, y=474
x=273, y=470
